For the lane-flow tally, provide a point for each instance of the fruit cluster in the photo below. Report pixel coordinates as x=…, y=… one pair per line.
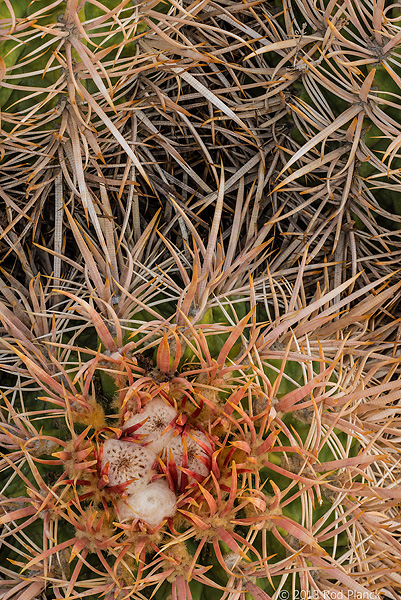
x=146, y=438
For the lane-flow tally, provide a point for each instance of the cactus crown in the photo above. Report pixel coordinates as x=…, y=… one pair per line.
x=169, y=448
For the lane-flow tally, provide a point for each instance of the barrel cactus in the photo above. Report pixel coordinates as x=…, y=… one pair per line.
x=194, y=406
x=233, y=443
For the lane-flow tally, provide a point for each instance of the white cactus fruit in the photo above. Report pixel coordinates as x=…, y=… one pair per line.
x=158, y=415
x=127, y=461
x=151, y=504
x=194, y=450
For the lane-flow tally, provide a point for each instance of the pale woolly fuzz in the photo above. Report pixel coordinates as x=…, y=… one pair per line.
x=128, y=461
x=151, y=504
x=158, y=416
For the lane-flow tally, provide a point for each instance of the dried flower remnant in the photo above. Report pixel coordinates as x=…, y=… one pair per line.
x=126, y=461
x=151, y=504
x=155, y=419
